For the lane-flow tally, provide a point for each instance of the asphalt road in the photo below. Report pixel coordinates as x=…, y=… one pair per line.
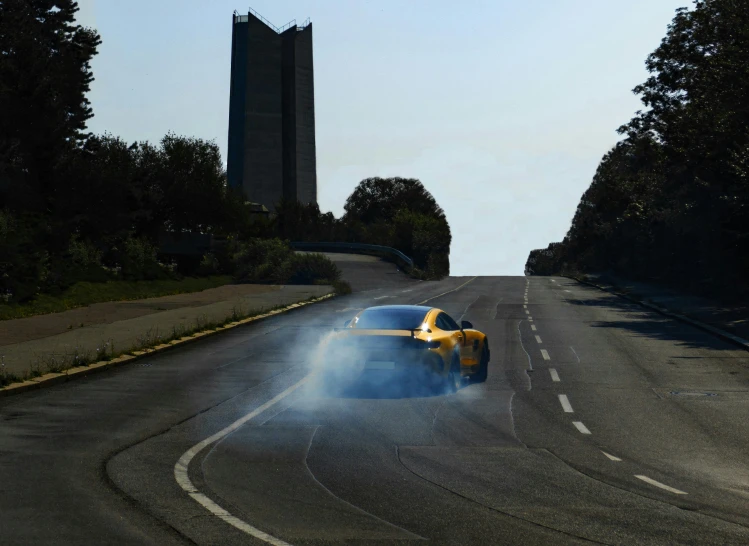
x=601, y=422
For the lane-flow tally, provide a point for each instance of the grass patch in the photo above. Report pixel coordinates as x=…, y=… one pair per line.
x=106, y=351
x=86, y=293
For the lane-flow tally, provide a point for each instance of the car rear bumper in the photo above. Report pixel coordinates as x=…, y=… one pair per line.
x=383, y=362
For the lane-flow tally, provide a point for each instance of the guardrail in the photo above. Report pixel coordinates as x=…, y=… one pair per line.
x=355, y=248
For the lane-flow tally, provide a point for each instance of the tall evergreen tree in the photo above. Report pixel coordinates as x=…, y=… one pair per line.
x=45, y=74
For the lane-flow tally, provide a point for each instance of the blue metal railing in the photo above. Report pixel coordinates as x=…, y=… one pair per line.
x=352, y=247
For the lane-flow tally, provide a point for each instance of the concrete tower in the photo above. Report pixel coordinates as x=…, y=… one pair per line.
x=272, y=111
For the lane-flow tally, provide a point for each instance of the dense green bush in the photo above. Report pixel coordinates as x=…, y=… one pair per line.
x=258, y=260
x=271, y=260
x=209, y=265
x=306, y=269
x=24, y=264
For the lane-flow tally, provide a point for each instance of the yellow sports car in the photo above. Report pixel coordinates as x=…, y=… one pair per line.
x=412, y=341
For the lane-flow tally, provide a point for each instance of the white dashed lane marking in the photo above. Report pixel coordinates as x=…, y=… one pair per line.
x=533, y=327
x=582, y=428
x=566, y=406
x=554, y=375
x=545, y=354
x=611, y=457
x=527, y=312
x=651, y=481
x=538, y=339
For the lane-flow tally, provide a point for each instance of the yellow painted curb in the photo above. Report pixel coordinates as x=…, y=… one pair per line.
x=50, y=379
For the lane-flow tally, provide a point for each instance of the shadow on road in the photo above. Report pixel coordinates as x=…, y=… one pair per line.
x=644, y=322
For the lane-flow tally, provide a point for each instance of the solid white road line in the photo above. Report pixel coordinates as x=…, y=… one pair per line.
x=582, y=428
x=538, y=339
x=554, y=375
x=181, y=475
x=651, y=481
x=611, y=457
x=566, y=406
x=533, y=327
x=448, y=292
x=545, y=354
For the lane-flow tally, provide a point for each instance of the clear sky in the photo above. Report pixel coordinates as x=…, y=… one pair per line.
x=502, y=108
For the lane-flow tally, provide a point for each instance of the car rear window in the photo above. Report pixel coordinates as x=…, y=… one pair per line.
x=391, y=319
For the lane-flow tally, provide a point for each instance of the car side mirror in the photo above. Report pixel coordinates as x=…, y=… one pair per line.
x=465, y=325
x=345, y=324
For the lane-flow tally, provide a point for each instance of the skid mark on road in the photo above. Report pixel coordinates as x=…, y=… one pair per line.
x=468, y=307
x=573, y=351
x=530, y=363
x=668, y=488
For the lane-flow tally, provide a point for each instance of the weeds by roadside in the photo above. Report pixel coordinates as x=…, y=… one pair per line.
x=105, y=351
x=87, y=293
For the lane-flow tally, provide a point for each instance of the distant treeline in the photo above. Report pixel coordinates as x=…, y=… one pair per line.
x=394, y=212
x=76, y=206
x=670, y=202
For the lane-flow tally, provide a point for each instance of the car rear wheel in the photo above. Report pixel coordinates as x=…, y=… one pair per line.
x=483, y=371
x=454, y=380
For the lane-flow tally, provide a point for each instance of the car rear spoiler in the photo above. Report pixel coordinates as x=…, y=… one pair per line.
x=412, y=330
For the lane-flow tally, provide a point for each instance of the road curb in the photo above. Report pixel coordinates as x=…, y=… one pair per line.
x=726, y=336
x=50, y=379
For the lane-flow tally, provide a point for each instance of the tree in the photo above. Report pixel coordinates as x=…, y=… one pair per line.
x=193, y=182
x=401, y=213
x=671, y=201
x=45, y=74
x=380, y=198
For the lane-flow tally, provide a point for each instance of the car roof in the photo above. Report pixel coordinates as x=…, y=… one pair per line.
x=402, y=307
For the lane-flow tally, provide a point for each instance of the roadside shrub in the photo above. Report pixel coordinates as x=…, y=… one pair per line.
x=259, y=260
x=341, y=287
x=82, y=262
x=22, y=266
x=209, y=265
x=438, y=266
x=306, y=269
x=136, y=259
